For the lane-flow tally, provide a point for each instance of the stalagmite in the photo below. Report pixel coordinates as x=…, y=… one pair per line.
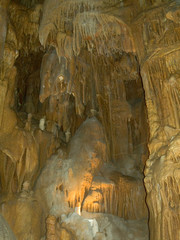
x=51, y=228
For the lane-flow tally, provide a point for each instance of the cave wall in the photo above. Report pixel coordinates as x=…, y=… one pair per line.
x=159, y=63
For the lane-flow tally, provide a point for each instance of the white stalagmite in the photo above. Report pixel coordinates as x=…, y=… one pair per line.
x=42, y=123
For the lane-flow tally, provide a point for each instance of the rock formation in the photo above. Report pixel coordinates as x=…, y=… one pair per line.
x=89, y=119
x=5, y=230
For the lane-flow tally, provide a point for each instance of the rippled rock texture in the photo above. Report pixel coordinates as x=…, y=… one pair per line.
x=89, y=118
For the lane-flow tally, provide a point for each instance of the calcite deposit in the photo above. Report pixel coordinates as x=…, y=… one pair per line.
x=89, y=119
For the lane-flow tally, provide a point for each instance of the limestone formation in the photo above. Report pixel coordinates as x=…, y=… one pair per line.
x=5, y=230
x=70, y=178
x=90, y=119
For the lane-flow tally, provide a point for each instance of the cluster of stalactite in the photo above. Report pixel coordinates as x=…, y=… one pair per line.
x=75, y=89
x=116, y=196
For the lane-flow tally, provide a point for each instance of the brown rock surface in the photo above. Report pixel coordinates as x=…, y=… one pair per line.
x=89, y=111
x=23, y=213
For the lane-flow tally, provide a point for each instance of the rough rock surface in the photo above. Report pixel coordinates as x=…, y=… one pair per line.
x=23, y=213
x=89, y=109
x=109, y=227
x=5, y=231
x=71, y=177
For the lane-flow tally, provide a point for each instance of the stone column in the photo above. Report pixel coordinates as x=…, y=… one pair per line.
x=158, y=46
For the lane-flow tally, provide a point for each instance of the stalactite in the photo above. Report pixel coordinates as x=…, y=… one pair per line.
x=90, y=28
x=27, y=33
x=98, y=27
x=113, y=197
